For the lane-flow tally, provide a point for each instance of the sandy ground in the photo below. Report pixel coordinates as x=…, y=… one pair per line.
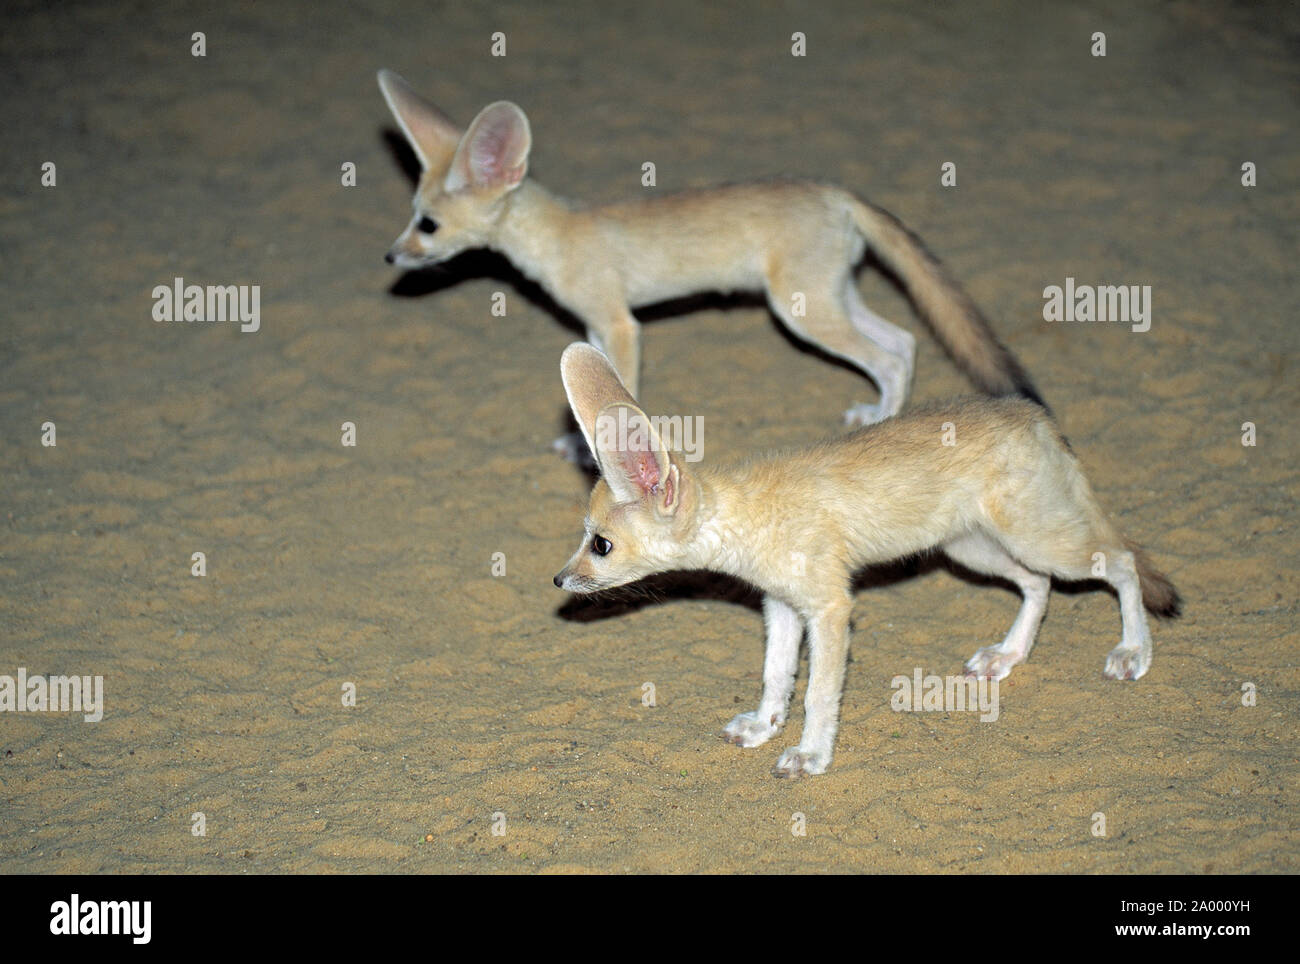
x=480, y=694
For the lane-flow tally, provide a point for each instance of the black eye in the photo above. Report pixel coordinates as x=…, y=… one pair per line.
x=601, y=546
x=426, y=225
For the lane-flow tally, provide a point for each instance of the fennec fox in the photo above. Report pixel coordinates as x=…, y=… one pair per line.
x=797, y=241
x=1008, y=499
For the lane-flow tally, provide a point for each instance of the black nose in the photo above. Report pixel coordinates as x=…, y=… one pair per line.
x=389, y=257
x=559, y=583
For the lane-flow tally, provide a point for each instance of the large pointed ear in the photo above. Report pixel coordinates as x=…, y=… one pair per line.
x=431, y=135
x=493, y=154
x=633, y=459
x=591, y=383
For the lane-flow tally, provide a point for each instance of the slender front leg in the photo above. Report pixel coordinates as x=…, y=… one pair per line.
x=620, y=339
x=828, y=652
x=784, y=632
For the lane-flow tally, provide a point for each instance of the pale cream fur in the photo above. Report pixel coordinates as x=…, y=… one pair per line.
x=1006, y=498
x=797, y=241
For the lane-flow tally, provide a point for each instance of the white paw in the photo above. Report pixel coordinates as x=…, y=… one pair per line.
x=864, y=414
x=992, y=662
x=1127, y=663
x=795, y=762
x=750, y=729
x=573, y=448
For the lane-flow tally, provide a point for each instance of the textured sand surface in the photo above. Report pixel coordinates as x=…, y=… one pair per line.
x=371, y=565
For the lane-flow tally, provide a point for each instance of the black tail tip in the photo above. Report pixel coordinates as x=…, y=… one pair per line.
x=1173, y=606
x=1159, y=596
x=1026, y=390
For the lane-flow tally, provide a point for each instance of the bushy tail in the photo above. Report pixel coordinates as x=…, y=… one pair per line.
x=1158, y=593
x=956, y=321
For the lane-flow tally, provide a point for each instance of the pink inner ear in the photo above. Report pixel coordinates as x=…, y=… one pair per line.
x=486, y=156
x=641, y=469
x=491, y=152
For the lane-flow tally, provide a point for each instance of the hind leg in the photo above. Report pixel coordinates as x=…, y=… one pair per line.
x=981, y=554
x=895, y=379
x=886, y=334
x=827, y=323
x=1132, y=657
x=1048, y=518
x=1067, y=556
